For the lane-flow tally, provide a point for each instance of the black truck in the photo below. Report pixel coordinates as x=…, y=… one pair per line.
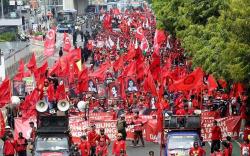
x=52, y=136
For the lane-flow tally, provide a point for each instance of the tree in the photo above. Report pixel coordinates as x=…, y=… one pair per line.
x=215, y=33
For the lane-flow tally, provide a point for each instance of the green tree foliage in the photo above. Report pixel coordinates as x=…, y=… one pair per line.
x=216, y=33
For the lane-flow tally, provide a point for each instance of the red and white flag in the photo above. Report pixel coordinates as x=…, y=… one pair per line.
x=49, y=44
x=66, y=43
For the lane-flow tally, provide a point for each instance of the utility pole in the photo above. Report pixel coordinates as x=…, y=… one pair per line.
x=2, y=8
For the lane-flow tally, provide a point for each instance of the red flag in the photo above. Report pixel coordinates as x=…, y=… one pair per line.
x=32, y=63
x=40, y=72
x=49, y=44
x=66, y=42
x=28, y=107
x=101, y=72
x=2, y=125
x=60, y=92
x=74, y=55
x=212, y=84
x=159, y=37
x=21, y=66
x=222, y=83
x=118, y=63
x=149, y=84
x=144, y=44
x=56, y=69
x=130, y=70
x=51, y=92
x=139, y=33
x=107, y=21
x=5, y=92
x=192, y=81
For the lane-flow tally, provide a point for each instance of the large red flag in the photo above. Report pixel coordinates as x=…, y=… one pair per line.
x=66, y=43
x=118, y=63
x=149, y=84
x=212, y=84
x=74, y=55
x=222, y=83
x=139, y=33
x=60, y=92
x=28, y=107
x=40, y=72
x=32, y=63
x=130, y=70
x=107, y=21
x=56, y=69
x=190, y=82
x=51, y=92
x=21, y=66
x=49, y=44
x=2, y=125
x=159, y=37
x=5, y=92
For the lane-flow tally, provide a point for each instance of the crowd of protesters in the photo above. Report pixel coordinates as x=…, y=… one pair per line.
x=104, y=49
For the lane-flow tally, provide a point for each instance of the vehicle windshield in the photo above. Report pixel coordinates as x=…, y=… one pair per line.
x=52, y=143
x=65, y=17
x=181, y=141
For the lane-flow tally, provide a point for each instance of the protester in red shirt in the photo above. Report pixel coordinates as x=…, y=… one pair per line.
x=21, y=145
x=244, y=148
x=226, y=149
x=33, y=132
x=246, y=132
x=216, y=137
x=102, y=148
x=92, y=135
x=103, y=136
x=196, y=150
x=9, y=146
x=184, y=111
x=119, y=146
x=138, y=127
x=84, y=146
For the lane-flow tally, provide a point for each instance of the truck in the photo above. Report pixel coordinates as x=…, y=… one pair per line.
x=52, y=136
x=180, y=133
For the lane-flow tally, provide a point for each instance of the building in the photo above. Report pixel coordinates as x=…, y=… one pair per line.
x=10, y=14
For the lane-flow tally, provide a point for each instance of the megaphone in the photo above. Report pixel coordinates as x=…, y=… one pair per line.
x=15, y=100
x=82, y=105
x=63, y=105
x=41, y=106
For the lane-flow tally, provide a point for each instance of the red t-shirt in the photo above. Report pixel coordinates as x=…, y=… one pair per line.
x=92, y=135
x=103, y=149
x=118, y=146
x=226, y=152
x=244, y=149
x=105, y=137
x=84, y=148
x=196, y=152
x=216, y=133
x=9, y=147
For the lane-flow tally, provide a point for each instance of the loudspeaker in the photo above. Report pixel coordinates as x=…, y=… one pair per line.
x=63, y=105
x=42, y=106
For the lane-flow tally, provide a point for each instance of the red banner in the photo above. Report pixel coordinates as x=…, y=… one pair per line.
x=230, y=126
x=2, y=125
x=23, y=126
x=78, y=126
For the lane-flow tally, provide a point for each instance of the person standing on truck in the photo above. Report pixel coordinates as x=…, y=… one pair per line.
x=216, y=137
x=92, y=136
x=196, y=150
x=84, y=146
x=21, y=145
x=138, y=127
